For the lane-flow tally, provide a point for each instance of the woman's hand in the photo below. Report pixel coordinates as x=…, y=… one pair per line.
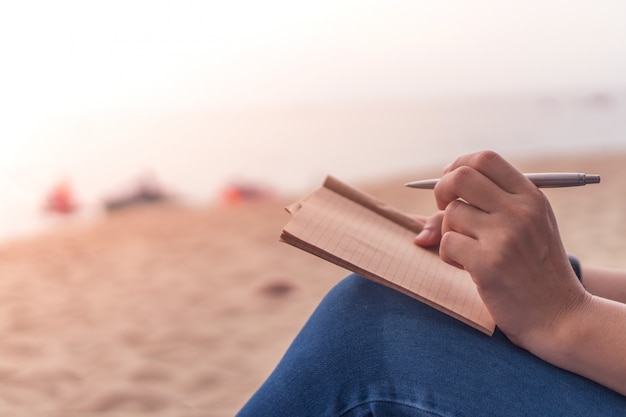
x=499, y=227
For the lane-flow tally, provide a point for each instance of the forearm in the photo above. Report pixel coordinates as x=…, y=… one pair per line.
x=591, y=342
x=605, y=282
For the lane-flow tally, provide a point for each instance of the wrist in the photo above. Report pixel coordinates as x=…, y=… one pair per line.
x=561, y=342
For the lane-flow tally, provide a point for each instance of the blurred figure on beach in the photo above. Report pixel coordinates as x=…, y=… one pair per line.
x=147, y=190
x=238, y=192
x=61, y=199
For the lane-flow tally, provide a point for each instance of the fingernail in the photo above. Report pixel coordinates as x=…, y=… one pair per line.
x=425, y=234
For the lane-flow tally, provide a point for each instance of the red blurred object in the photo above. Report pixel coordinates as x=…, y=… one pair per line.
x=232, y=195
x=61, y=199
x=237, y=193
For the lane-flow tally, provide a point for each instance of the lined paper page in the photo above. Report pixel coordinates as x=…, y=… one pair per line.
x=349, y=234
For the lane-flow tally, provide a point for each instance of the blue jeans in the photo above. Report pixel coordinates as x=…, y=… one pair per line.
x=372, y=351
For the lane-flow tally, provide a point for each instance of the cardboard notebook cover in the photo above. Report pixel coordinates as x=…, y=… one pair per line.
x=356, y=231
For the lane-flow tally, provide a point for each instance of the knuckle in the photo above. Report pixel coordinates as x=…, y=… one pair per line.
x=445, y=239
x=501, y=245
x=485, y=158
x=446, y=242
x=457, y=162
x=494, y=260
x=449, y=216
x=444, y=246
x=462, y=175
x=534, y=205
x=451, y=208
x=454, y=209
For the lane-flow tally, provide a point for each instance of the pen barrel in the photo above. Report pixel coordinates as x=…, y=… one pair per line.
x=541, y=180
x=564, y=179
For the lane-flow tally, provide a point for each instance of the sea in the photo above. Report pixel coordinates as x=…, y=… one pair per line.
x=288, y=148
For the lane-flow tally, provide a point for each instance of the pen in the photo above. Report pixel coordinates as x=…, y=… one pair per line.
x=541, y=180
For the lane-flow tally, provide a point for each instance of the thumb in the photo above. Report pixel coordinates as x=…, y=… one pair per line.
x=431, y=233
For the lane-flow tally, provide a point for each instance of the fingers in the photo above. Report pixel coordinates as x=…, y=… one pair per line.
x=474, y=193
x=463, y=218
x=470, y=185
x=495, y=168
x=431, y=233
x=459, y=250
x=461, y=228
x=474, y=187
x=459, y=219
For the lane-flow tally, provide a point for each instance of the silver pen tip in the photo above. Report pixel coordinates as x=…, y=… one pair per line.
x=592, y=179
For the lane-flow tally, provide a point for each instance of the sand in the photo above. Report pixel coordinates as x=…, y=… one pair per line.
x=183, y=311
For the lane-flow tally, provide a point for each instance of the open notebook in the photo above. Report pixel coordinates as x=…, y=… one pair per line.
x=362, y=234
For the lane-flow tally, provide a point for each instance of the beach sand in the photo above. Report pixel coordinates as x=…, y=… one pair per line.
x=183, y=311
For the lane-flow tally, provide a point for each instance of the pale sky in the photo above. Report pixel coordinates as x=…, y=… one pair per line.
x=69, y=56
x=79, y=79
x=63, y=60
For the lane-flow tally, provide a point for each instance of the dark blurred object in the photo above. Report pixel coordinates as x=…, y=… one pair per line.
x=599, y=100
x=277, y=289
x=146, y=191
x=61, y=199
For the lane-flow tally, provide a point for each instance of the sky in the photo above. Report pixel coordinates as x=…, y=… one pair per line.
x=79, y=56
x=73, y=70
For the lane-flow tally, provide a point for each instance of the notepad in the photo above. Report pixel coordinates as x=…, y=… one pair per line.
x=358, y=232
